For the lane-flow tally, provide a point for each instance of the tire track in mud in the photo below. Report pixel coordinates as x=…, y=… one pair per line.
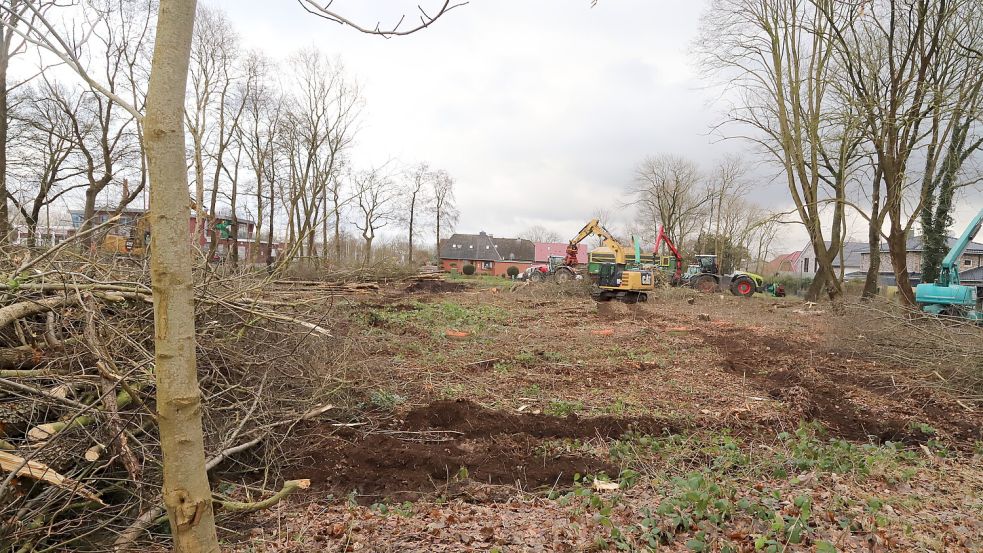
x=831, y=389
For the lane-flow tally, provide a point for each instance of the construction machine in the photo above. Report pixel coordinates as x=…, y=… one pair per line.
x=617, y=273
x=705, y=276
x=556, y=267
x=672, y=265
x=947, y=296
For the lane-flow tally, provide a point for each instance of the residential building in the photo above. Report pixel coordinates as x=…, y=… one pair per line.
x=849, y=263
x=971, y=260
x=489, y=255
x=44, y=235
x=783, y=265
x=546, y=249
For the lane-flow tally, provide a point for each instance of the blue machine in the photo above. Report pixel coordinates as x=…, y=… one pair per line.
x=947, y=296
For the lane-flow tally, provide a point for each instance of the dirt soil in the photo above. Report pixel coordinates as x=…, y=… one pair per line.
x=434, y=287
x=425, y=452
x=477, y=432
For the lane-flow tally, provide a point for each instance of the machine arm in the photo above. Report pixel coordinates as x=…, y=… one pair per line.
x=593, y=227
x=663, y=237
x=949, y=273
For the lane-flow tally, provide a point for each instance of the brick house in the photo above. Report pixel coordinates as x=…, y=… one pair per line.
x=489, y=255
x=971, y=260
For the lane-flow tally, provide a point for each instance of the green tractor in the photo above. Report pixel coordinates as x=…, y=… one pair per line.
x=705, y=276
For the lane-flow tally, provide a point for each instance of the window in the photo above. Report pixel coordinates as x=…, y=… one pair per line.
x=967, y=262
x=487, y=265
x=805, y=265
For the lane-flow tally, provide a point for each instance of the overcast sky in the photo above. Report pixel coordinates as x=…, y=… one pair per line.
x=540, y=109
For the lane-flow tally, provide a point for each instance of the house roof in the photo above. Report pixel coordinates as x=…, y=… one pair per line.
x=972, y=275
x=515, y=249
x=775, y=265
x=477, y=247
x=916, y=244
x=545, y=249
x=852, y=251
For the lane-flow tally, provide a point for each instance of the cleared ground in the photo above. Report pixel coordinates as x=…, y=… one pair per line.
x=537, y=420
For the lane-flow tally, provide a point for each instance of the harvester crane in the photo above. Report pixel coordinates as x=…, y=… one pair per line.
x=662, y=237
x=947, y=296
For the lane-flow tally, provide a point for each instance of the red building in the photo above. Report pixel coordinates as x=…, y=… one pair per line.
x=489, y=255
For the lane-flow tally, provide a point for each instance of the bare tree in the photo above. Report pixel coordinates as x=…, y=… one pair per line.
x=539, y=233
x=778, y=61
x=42, y=160
x=416, y=189
x=258, y=132
x=669, y=190
x=444, y=205
x=377, y=205
x=901, y=61
x=16, y=18
x=319, y=128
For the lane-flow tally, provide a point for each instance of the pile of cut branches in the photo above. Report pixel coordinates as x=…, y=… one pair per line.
x=947, y=350
x=80, y=463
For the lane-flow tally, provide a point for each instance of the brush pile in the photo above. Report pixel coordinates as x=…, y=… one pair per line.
x=80, y=464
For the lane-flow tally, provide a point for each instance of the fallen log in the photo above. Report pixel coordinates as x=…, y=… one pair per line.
x=11, y=313
x=39, y=471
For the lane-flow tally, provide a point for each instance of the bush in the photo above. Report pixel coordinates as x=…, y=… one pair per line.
x=468, y=269
x=512, y=271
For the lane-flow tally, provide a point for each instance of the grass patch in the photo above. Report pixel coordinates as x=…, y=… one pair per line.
x=436, y=318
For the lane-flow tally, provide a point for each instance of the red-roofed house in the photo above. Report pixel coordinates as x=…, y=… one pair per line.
x=545, y=249
x=785, y=264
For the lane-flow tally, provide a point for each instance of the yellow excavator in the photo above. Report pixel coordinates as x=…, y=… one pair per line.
x=615, y=275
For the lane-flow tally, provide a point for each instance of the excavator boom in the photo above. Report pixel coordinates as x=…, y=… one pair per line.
x=595, y=227
x=949, y=273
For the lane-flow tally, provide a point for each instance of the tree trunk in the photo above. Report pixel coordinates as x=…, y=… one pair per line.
x=367, y=258
x=186, y=494
x=438, y=233
x=874, y=241
x=4, y=118
x=409, y=257
x=88, y=214
x=269, y=231
x=337, y=231
x=199, y=185
x=897, y=242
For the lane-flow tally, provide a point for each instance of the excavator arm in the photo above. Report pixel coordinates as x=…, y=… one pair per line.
x=949, y=273
x=594, y=227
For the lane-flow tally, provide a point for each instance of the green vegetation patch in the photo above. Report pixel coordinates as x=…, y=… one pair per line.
x=436, y=318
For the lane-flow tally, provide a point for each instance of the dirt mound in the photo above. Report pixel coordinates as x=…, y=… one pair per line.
x=474, y=421
x=434, y=287
x=383, y=468
x=426, y=452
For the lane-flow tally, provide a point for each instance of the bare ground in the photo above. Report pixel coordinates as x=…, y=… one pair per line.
x=721, y=427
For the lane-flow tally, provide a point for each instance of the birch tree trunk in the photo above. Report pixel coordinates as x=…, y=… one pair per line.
x=186, y=494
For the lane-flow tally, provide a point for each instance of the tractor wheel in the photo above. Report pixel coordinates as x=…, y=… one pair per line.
x=537, y=276
x=743, y=287
x=563, y=275
x=704, y=283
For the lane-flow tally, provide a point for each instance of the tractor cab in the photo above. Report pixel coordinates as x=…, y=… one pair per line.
x=707, y=264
